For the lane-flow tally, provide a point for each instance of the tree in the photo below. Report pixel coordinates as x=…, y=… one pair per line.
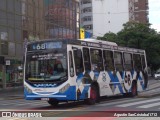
x=141, y=36
x=109, y=37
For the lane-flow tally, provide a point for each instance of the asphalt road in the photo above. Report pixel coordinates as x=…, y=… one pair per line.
x=114, y=104
x=107, y=107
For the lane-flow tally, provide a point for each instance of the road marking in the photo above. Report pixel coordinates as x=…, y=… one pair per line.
x=30, y=104
x=51, y=113
x=118, y=102
x=136, y=103
x=21, y=103
x=78, y=108
x=150, y=105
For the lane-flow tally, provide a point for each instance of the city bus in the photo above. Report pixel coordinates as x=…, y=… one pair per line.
x=85, y=69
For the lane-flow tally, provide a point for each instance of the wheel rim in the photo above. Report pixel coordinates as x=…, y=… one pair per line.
x=93, y=94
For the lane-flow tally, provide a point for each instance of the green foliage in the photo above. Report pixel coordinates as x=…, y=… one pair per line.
x=141, y=36
x=109, y=37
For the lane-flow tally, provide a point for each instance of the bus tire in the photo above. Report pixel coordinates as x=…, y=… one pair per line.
x=53, y=103
x=134, y=89
x=94, y=95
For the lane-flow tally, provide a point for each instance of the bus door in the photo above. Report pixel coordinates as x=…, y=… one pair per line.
x=71, y=67
x=144, y=71
x=81, y=91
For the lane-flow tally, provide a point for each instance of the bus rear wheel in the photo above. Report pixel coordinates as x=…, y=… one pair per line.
x=53, y=103
x=94, y=96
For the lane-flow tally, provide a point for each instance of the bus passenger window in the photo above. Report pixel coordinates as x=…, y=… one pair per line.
x=71, y=64
x=143, y=61
x=78, y=61
x=137, y=62
x=96, y=58
x=128, y=61
x=108, y=60
x=118, y=61
x=86, y=57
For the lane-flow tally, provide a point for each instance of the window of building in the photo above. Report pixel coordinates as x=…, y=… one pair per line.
x=3, y=17
x=3, y=33
x=11, y=19
x=108, y=60
x=87, y=18
x=135, y=8
x=18, y=6
x=18, y=34
x=137, y=15
x=86, y=57
x=3, y=4
x=18, y=19
x=19, y=50
x=86, y=1
x=85, y=10
x=11, y=47
x=118, y=61
x=10, y=5
x=4, y=48
x=88, y=27
x=96, y=58
x=128, y=61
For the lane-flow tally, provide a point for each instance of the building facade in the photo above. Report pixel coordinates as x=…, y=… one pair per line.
x=138, y=10
x=11, y=43
x=50, y=19
x=102, y=16
x=28, y=20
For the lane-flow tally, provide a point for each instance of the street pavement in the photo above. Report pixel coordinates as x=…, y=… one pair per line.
x=17, y=92
x=153, y=89
x=149, y=96
x=12, y=93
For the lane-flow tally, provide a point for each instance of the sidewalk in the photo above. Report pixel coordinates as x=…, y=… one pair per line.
x=12, y=93
x=153, y=89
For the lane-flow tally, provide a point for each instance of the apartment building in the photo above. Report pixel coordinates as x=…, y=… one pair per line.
x=101, y=16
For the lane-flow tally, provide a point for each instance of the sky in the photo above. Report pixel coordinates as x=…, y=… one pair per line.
x=154, y=14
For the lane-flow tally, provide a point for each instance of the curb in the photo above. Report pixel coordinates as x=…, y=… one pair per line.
x=148, y=95
x=12, y=98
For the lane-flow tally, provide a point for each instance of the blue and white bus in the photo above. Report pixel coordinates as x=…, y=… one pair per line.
x=72, y=70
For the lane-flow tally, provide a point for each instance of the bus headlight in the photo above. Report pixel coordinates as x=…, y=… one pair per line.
x=63, y=89
x=28, y=89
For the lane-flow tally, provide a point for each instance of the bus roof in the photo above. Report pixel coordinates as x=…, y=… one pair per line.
x=99, y=41
x=91, y=43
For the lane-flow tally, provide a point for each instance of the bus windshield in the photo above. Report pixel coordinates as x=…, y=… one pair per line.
x=46, y=66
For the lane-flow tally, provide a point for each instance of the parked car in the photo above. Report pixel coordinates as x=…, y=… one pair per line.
x=157, y=75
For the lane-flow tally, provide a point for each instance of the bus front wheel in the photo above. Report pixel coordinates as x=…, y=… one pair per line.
x=53, y=102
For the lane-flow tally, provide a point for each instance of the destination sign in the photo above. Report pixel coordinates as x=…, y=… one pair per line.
x=46, y=56
x=44, y=46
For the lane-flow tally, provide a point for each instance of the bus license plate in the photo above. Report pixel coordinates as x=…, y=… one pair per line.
x=45, y=99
